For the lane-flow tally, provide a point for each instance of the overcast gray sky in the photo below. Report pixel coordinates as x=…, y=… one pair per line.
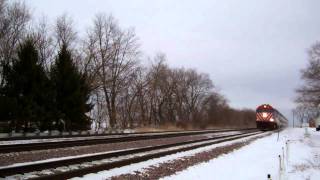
x=252, y=49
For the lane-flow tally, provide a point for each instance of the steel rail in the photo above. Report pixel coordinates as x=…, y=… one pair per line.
x=84, y=142
x=94, y=135
x=8, y=171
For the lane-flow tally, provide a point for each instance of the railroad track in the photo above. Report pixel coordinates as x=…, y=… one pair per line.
x=82, y=165
x=8, y=148
x=93, y=135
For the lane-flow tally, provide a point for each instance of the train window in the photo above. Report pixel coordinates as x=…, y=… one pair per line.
x=265, y=110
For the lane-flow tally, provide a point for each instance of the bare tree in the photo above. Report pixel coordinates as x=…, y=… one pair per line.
x=137, y=99
x=44, y=42
x=65, y=32
x=158, y=89
x=14, y=18
x=199, y=86
x=175, y=95
x=309, y=93
x=113, y=52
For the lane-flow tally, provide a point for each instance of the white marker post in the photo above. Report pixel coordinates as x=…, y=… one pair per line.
x=283, y=164
x=287, y=151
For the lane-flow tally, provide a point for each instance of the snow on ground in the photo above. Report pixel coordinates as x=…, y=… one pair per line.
x=59, y=139
x=255, y=161
x=251, y=162
x=155, y=162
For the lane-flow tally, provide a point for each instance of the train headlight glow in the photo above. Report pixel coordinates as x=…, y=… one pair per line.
x=271, y=119
x=264, y=115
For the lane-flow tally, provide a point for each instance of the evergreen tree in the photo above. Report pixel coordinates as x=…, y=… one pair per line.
x=26, y=90
x=7, y=104
x=72, y=92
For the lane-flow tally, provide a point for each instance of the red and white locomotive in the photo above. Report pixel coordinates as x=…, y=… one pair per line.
x=269, y=118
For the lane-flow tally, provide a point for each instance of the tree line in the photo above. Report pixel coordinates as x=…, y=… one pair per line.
x=51, y=78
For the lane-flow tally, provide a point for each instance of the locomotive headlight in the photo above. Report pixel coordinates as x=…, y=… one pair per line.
x=271, y=119
x=264, y=115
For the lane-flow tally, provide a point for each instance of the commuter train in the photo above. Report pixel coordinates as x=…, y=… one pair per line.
x=268, y=118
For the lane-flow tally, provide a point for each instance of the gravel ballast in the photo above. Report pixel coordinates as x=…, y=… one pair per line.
x=30, y=156
x=173, y=166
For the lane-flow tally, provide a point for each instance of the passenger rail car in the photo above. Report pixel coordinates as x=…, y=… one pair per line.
x=269, y=118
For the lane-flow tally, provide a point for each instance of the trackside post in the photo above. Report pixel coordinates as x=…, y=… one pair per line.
x=283, y=164
x=287, y=151
x=280, y=167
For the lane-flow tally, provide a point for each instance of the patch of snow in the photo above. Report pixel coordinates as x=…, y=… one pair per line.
x=154, y=162
x=129, y=131
x=261, y=157
x=89, y=164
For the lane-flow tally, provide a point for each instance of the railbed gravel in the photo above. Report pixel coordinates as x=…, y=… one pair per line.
x=30, y=156
x=171, y=167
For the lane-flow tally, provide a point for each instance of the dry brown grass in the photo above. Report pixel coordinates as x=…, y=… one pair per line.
x=171, y=127
x=160, y=128
x=165, y=127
